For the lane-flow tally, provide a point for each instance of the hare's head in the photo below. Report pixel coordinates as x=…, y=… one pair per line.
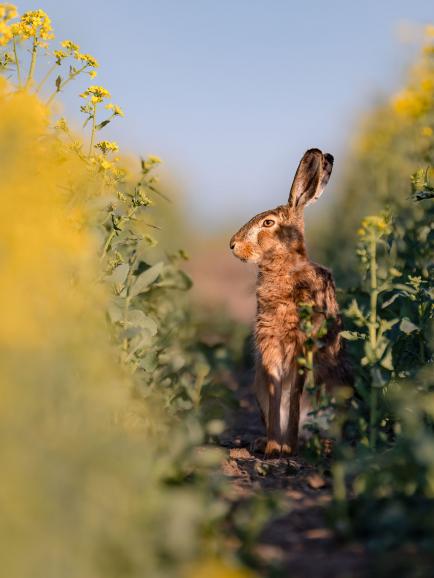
x=280, y=231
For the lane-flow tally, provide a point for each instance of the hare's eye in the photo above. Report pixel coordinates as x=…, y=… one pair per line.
x=268, y=223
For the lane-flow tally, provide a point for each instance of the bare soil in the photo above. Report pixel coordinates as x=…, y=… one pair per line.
x=297, y=543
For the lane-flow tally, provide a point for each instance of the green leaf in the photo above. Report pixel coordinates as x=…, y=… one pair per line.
x=377, y=378
x=391, y=299
x=140, y=341
x=408, y=326
x=355, y=313
x=119, y=274
x=102, y=124
x=407, y=289
x=386, y=324
x=387, y=361
x=352, y=335
x=115, y=312
x=186, y=280
x=146, y=279
x=149, y=362
x=137, y=318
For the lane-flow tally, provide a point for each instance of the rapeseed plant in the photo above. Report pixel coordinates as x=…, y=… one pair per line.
x=97, y=358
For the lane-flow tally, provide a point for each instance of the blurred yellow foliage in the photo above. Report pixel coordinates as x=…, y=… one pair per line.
x=410, y=104
x=41, y=232
x=418, y=97
x=75, y=484
x=214, y=568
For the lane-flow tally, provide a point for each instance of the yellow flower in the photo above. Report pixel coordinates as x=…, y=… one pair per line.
x=409, y=103
x=97, y=94
x=60, y=55
x=92, y=73
x=427, y=84
x=8, y=12
x=426, y=131
x=61, y=124
x=117, y=111
x=101, y=163
x=429, y=31
x=35, y=24
x=154, y=159
x=70, y=46
x=90, y=60
x=214, y=568
x=374, y=225
x=6, y=33
x=106, y=146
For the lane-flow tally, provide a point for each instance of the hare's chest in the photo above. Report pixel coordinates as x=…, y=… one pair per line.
x=277, y=320
x=278, y=313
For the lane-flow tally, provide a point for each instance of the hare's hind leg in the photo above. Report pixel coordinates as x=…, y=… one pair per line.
x=261, y=393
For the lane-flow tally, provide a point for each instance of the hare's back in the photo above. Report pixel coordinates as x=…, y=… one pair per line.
x=324, y=289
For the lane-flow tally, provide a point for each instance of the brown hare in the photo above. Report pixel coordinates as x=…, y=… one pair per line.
x=274, y=240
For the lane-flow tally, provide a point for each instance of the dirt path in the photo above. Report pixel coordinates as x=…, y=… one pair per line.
x=298, y=543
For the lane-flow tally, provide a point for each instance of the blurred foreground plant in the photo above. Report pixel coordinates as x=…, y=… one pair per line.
x=102, y=376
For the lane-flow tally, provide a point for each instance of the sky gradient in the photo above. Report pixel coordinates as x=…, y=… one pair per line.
x=231, y=92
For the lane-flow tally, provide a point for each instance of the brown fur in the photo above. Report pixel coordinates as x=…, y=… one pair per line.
x=286, y=278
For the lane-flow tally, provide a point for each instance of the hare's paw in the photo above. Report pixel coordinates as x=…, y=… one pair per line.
x=287, y=450
x=258, y=445
x=273, y=449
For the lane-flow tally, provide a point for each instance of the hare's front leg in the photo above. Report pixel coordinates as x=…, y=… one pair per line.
x=268, y=385
x=261, y=390
x=274, y=434
x=292, y=388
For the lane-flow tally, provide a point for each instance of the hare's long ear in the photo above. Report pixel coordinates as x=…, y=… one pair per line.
x=312, y=175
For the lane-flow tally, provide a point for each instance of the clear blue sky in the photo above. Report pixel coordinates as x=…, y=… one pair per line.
x=231, y=92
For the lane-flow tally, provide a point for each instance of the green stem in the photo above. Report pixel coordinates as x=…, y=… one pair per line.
x=32, y=64
x=92, y=134
x=373, y=338
x=340, y=497
x=373, y=418
x=46, y=77
x=310, y=383
x=373, y=294
x=17, y=63
x=125, y=318
x=64, y=83
x=108, y=243
x=421, y=340
x=113, y=232
x=128, y=299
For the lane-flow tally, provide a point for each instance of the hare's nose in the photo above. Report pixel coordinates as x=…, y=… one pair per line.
x=232, y=244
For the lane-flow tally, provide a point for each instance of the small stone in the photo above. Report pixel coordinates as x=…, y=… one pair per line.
x=240, y=454
x=319, y=534
x=295, y=495
x=315, y=481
